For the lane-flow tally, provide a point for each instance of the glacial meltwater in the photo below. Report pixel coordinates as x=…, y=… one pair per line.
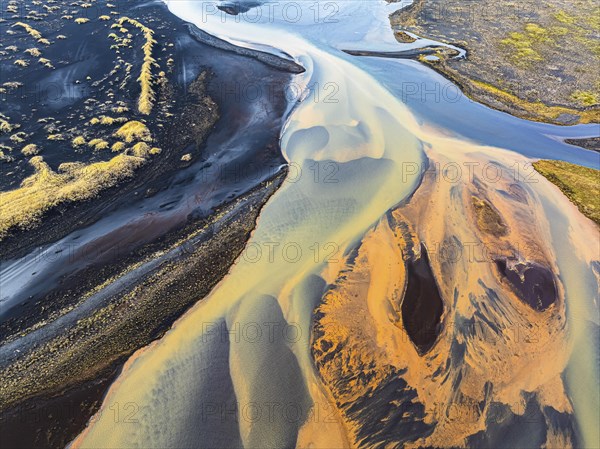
x=236, y=370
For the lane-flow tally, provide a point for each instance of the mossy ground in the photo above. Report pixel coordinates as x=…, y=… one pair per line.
x=580, y=184
x=76, y=129
x=535, y=60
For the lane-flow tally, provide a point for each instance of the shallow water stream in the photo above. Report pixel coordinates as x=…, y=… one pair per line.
x=236, y=369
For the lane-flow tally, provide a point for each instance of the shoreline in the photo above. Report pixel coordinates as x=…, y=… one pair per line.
x=72, y=370
x=168, y=248
x=425, y=20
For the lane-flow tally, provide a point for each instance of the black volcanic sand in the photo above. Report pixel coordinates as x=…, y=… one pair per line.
x=70, y=370
x=286, y=65
x=413, y=53
x=52, y=422
x=200, y=212
x=422, y=306
x=589, y=143
x=80, y=87
x=528, y=428
x=228, y=79
x=391, y=412
x=533, y=283
x=237, y=155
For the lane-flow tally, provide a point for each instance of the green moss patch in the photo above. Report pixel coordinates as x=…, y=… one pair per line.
x=580, y=184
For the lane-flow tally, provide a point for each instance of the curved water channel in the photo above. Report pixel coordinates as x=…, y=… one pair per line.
x=244, y=350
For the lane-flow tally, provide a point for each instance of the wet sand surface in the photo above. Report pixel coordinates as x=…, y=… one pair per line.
x=95, y=281
x=495, y=357
x=534, y=283
x=68, y=364
x=306, y=342
x=422, y=306
x=473, y=383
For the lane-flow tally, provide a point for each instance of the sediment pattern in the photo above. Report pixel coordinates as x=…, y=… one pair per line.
x=494, y=361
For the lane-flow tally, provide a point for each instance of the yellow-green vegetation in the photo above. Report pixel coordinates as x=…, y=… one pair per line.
x=5, y=127
x=580, y=184
x=155, y=150
x=30, y=150
x=522, y=44
x=98, y=144
x=585, y=98
x=120, y=109
x=24, y=206
x=21, y=63
x=107, y=120
x=583, y=28
x=46, y=62
x=3, y=156
x=134, y=130
x=140, y=149
x=34, y=52
x=18, y=137
x=593, y=18
x=104, y=17
x=538, y=109
x=526, y=46
x=78, y=141
x=146, y=99
x=30, y=30
x=536, y=33
x=564, y=17
x=56, y=137
x=82, y=20
x=118, y=146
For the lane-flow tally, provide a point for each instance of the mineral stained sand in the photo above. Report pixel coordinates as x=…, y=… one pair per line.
x=228, y=355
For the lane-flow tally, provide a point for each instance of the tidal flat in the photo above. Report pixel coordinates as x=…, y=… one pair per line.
x=98, y=261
